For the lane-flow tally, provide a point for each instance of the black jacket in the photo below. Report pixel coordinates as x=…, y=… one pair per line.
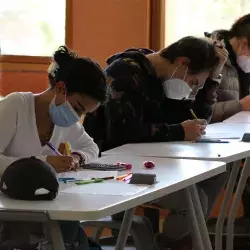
x=138, y=110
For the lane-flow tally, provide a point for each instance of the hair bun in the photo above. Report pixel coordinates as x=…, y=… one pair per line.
x=63, y=56
x=63, y=59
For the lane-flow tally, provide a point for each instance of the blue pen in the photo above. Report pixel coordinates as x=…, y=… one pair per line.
x=66, y=179
x=53, y=148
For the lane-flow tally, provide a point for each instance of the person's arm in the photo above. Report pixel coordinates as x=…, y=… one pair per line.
x=8, y=124
x=224, y=109
x=82, y=143
x=124, y=113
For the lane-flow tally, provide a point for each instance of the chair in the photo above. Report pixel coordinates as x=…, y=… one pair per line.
x=140, y=231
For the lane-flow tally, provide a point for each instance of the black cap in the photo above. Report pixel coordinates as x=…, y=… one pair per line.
x=25, y=176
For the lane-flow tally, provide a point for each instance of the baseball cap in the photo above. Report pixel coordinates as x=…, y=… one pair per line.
x=25, y=178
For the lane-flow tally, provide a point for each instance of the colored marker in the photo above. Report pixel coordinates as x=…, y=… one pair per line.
x=53, y=148
x=126, y=179
x=121, y=177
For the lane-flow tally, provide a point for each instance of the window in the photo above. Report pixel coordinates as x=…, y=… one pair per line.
x=31, y=27
x=194, y=17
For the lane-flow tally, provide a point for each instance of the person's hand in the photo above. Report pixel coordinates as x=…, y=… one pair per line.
x=77, y=160
x=61, y=163
x=208, y=94
x=222, y=53
x=211, y=93
x=245, y=103
x=194, y=129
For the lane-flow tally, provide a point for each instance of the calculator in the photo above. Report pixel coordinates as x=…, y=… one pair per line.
x=103, y=167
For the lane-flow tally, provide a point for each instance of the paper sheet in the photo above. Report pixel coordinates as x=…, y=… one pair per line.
x=88, y=174
x=220, y=136
x=106, y=188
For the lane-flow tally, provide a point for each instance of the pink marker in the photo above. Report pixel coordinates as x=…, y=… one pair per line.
x=127, y=178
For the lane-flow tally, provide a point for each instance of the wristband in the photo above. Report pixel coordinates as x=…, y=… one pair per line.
x=218, y=79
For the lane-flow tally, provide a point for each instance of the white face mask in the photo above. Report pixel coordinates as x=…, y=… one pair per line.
x=176, y=88
x=244, y=63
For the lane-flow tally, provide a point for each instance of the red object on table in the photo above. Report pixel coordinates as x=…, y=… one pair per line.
x=148, y=164
x=128, y=166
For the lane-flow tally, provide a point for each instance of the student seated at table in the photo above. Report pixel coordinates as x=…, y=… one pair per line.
x=233, y=91
x=234, y=81
x=147, y=105
x=28, y=121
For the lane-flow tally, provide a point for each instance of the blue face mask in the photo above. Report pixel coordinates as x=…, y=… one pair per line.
x=63, y=115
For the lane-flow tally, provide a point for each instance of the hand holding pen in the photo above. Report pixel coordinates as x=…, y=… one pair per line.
x=194, y=129
x=61, y=163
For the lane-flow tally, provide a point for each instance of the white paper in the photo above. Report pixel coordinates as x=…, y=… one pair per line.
x=106, y=188
x=220, y=136
x=87, y=174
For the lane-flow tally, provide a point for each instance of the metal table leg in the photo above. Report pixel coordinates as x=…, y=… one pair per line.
x=196, y=236
x=56, y=236
x=200, y=218
x=237, y=198
x=225, y=204
x=125, y=227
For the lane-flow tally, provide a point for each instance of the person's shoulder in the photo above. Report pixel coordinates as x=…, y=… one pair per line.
x=17, y=99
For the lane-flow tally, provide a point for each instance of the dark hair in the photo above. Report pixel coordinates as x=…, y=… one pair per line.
x=201, y=53
x=80, y=75
x=217, y=34
x=241, y=28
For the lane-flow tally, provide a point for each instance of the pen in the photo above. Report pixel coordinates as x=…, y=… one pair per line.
x=88, y=181
x=193, y=114
x=121, y=177
x=218, y=141
x=53, y=148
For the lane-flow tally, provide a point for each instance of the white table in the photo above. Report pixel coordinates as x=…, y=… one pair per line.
x=168, y=172
x=241, y=117
x=225, y=130
x=225, y=152
x=231, y=153
x=172, y=175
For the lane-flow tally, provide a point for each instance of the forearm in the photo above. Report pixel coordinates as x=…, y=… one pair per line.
x=136, y=133
x=224, y=110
